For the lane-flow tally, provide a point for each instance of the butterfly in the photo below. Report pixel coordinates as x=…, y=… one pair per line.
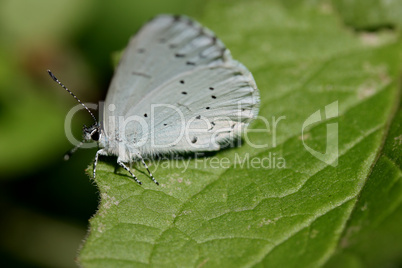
x=176, y=89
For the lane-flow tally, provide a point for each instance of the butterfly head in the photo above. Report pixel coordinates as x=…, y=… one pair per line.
x=91, y=133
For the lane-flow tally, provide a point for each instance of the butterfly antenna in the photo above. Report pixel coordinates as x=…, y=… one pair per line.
x=72, y=94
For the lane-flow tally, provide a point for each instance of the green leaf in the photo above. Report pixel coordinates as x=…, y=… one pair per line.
x=377, y=215
x=291, y=209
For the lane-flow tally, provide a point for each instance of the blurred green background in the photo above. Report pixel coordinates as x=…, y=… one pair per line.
x=46, y=202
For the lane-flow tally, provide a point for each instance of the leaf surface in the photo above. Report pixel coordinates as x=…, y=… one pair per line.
x=251, y=210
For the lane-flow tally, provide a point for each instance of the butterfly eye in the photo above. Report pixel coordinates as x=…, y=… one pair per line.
x=95, y=135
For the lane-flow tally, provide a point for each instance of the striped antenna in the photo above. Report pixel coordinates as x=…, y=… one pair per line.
x=72, y=94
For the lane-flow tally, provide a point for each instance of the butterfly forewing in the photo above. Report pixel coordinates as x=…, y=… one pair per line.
x=162, y=49
x=179, y=79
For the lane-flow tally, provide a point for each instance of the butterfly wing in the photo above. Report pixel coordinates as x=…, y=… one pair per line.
x=163, y=48
x=176, y=74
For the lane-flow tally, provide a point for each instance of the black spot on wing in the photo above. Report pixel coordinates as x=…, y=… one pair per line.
x=201, y=31
x=237, y=73
x=213, y=124
x=141, y=74
x=190, y=22
x=214, y=40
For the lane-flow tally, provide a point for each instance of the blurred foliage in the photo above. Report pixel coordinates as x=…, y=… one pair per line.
x=46, y=203
x=370, y=15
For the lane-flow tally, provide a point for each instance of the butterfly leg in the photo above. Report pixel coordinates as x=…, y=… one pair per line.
x=100, y=152
x=126, y=168
x=149, y=172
